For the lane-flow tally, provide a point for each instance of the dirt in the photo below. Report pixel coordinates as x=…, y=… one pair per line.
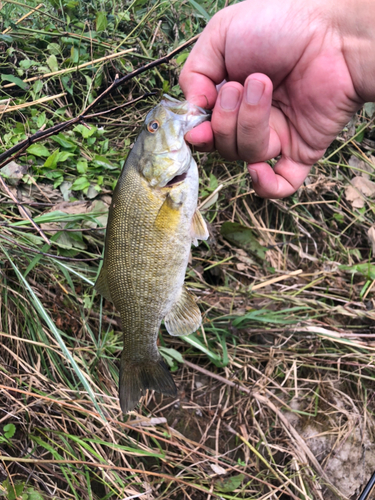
x=341, y=440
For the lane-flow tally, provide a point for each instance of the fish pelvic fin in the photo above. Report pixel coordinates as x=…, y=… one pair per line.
x=101, y=284
x=199, y=229
x=184, y=317
x=136, y=377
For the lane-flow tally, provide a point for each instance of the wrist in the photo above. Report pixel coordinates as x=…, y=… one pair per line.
x=355, y=22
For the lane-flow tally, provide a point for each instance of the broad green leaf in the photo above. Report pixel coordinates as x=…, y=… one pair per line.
x=14, y=490
x=34, y=495
x=80, y=183
x=101, y=21
x=64, y=142
x=82, y=166
x=27, y=63
x=16, y=80
x=369, y=108
x=52, y=63
x=181, y=58
x=41, y=120
x=37, y=86
x=9, y=430
x=53, y=48
x=6, y=38
x=63, y=156
x=229, y=484
x=243, y=237
x=84, y=131
x=38, y=150
x=213, y=182
x=67, y=82
x=103, y=162
x=51, y=161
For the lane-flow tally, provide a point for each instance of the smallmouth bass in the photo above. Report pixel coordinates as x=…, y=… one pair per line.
x=153, y=220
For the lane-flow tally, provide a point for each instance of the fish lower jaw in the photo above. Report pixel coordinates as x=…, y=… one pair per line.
x=177, y=179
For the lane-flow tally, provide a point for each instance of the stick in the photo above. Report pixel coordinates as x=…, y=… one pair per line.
x=21, y=146
x=16, y=151
x=22, y=18
x=73, y=68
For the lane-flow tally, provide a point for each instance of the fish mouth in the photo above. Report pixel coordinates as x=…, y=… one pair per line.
x=176, y=179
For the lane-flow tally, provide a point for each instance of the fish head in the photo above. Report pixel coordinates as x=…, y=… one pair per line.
x=165, y=157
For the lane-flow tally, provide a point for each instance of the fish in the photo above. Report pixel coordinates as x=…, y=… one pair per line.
x=152, y=222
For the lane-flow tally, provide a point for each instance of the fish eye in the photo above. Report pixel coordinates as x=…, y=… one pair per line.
x=153, y=126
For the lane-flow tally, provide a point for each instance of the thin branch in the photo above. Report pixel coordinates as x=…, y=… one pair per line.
x=44, y=134
x=14, y=152
x=100, y=113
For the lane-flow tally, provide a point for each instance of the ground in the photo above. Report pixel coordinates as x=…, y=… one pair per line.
x=276, y=390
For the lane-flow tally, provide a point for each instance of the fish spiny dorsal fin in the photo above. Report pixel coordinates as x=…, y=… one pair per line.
x=184, y=317
x=101, y=284
x=137, y=377
x=199, y=229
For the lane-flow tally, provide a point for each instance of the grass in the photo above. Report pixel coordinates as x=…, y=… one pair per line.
x=276, y=396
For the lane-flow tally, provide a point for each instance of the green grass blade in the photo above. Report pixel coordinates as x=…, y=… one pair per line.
x=43, y=313
x=200, y=9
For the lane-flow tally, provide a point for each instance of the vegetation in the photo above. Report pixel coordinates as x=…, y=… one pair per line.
x=276, y=397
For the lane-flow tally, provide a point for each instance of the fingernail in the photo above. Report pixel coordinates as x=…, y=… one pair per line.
x=254, y=91
x=253, y=175
x=229, y=98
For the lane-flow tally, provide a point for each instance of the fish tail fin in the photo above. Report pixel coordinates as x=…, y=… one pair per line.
x=136, y=377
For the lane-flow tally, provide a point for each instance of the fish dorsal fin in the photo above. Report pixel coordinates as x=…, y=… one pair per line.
x=184, y=317
x=101, y=284
x=199, y=229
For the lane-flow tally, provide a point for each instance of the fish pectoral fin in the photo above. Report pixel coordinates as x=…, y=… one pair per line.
x=184, y=317
x=137, y=376
x=199, y=229
x=101, y=284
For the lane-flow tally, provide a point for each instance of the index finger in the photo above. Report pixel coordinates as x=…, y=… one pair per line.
x=205, y=66
x=281, y=181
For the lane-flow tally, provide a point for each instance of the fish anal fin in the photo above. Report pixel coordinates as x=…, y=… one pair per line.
x=184, y=317
x=199, y=229
x=138, y=376
x=101, y=284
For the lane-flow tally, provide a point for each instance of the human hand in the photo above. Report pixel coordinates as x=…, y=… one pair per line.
x=289, y=87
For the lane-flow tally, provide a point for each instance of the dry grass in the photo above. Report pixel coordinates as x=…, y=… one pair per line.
x=276, y=391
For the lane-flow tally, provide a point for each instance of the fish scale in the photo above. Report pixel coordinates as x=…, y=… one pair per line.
x=152, y=222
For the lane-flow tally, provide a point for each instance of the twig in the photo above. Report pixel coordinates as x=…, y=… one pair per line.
x=35, y=9
x=100, y=113
x=73, y=68
x=17, y=150
x=9, y=109
x=44, y=134
x=277, y=279
x=209, y=198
